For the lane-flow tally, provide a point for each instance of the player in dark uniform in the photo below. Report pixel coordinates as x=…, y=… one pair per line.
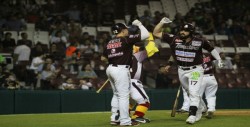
x=187, y=52
x=209, y=86
x=119, y=51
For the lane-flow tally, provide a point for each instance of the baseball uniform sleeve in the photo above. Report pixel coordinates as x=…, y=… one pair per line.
x=168, y=38
x=208, y=46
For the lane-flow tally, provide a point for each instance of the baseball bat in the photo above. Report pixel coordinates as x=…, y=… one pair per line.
x=173, y=112
x=99, y=90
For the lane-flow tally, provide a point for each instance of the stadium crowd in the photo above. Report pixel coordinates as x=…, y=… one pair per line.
x=71, y=58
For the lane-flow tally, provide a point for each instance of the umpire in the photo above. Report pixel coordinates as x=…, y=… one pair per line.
x=119, y=51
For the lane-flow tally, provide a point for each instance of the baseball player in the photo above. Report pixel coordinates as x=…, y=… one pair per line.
x=118, y=51
x=187, y=52
x=209, y=86
x=137, y=92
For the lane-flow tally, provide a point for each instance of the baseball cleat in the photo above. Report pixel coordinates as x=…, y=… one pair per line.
x=133, y=123
x=142, y=120
x=191, y=119
x=114, y=123
x=209, y=115
x=180, y=111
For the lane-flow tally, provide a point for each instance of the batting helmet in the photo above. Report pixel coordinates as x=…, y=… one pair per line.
x=118, y=27
x=188, y=27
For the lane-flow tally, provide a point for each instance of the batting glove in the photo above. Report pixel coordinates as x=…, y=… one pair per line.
x=165, y=20
x=136, y=23
x=220, y=64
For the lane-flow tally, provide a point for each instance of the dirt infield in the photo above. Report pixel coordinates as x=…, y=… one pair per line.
x=233, y=112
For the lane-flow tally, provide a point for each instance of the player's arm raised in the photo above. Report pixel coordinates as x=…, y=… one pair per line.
x=157, y=30
x=144, y=31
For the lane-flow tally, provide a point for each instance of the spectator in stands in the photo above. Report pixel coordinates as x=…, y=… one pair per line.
x=59, y=38
x=147, y=16
x=55, y=54
x=157, y=17
x=24, y=39
x=74, y=30
x=33, y=72
x=85, y=84
x=162, y=81
x=11, y=82
x=37, y=50
x=69, y=84
x=72, y=56
x=60, y=41
x=108, y=19
x=87, y=72
x=90, y=21
x=43, y=24
x=14, y=24
x=207, y=24
x=48, y=60
x=8, y=43
x=21, y=59
x=73, y=13
x=222, y=29
x=227, y=62
x=47, y=76
x=237, y=62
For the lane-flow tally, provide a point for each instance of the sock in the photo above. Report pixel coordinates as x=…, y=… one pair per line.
x=192, y=110
x=140, y=110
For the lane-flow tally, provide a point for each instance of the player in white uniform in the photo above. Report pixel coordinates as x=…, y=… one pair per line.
x=187, y=52
x=209, y=86
x=137, y=92
x=119, y=52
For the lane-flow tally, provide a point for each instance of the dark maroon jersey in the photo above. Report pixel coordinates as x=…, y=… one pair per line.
x=208, y=64
x=187, y=53
x=119, y=49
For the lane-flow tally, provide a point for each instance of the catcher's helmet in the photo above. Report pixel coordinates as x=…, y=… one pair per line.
x=118, y=27
x=188, y=27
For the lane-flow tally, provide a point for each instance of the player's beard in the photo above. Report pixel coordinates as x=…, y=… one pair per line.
x=183, y=36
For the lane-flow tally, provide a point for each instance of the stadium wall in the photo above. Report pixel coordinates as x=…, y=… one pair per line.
x=26, y=101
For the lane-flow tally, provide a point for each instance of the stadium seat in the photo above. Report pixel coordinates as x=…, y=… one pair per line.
x=30, y=35
x=169, y=8
x=91, y=30
x=41, y=36
x=155, y=6
x=140, y=9
x=104, y=29
x=30, y=27
x=242, y=50
x=119, y=21
x=191, y=3
x=181, y=6
x=14, y=34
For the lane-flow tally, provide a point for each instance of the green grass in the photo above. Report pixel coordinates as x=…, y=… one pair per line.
x=160, y=118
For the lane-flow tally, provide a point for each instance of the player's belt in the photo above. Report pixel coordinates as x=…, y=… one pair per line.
x=187, y=68
x=115, y=65
x=206, y=75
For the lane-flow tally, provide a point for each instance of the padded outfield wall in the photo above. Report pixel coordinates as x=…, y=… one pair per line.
x=41, y=101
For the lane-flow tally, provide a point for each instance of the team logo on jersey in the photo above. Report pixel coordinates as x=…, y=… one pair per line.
x=196, y=43
x=178, y=40
x=114, y=45
x=185, y=59
x=134, y=36
x=206, y=59
x=112, y=50
x=184, y=54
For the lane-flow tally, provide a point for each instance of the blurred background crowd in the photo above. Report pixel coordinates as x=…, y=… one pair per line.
x=57, y=44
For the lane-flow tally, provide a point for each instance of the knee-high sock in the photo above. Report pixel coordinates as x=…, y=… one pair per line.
x=140, y=110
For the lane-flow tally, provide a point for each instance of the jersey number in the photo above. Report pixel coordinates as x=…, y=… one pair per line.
x=193, y=82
